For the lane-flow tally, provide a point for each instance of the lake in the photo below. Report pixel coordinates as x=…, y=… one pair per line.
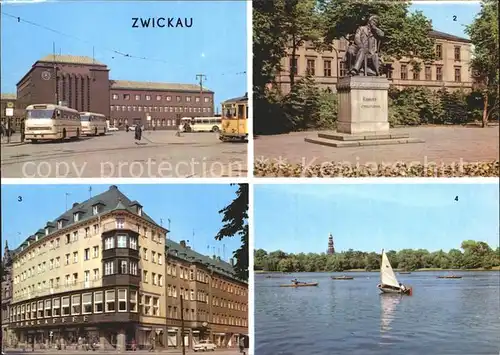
x=443, y=316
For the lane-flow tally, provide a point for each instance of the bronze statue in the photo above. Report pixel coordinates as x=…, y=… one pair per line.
x=362, y=56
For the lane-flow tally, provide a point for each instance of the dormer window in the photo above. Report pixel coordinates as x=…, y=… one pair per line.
x=46, y=232
x=139, y=210
x=95, y=210
x=59, y=224
x=76, y=217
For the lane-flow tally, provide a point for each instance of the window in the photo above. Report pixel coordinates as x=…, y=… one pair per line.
x=428, y=73
x=75, y=236
x=120, y=223
x=342, y=69
x=311, y=67
x=137, y=97
x=51, y=264
x=457, y=53
x=48, y=308
x=294, y=65
x=65, y=306
x=87, y=232
x=56, y=307
x=98, y=302
x=147, y=305
x=160, y=280
x=75, y=305
x=133, y=268
x=95, y=251
x=33, y=310
x=58, y=241
x=96, y=274
x=68, y=239
x=327, y=68
x=133, y=301
x=439, y=51
x=153, y=257
x=122, y=241
x=148, y=97
x=75, y=278
x=160, y=259
x=124, y=267
x=75, y=257
x=458, y=77
x=86, y=254
x=126, y=96
x=87, y=303
x=76, y=217
x=122, y=300
x=109, y=243
x=178, y=98
x=110, y=300
x=95, y=210
x=404, y=72
x=133, y=243
x=416, y=75
x=145, y=253
x=439, y=73
x=154, y=277
x=156, y=306
x=145, y=276
x=115, y=96
x=40, y=309
x=59, y=224
x=158, y=97
x=108, y=268
x=66, y=262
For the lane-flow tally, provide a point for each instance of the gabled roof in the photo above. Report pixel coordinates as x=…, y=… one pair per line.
x=112, y=200
x=447, y=36
x=243, y=98
x=191, y=256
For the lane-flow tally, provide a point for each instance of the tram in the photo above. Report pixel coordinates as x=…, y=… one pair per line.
x=234, y=125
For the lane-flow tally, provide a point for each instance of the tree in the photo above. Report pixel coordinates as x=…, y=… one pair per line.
x=235, y=223
x=406, y=34
x=483, y=33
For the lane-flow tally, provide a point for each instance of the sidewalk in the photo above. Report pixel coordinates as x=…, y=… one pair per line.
x=15, y=139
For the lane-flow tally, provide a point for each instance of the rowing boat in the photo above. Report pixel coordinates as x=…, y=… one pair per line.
x=449, y=277
x=342, y=277
x=300, y=284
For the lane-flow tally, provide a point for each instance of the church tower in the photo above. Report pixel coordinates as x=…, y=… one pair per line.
x=331, y=248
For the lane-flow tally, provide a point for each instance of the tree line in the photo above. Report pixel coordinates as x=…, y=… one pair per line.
x=473, y=255
x=280, y=26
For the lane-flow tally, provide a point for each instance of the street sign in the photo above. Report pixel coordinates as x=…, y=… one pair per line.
x=9, y=112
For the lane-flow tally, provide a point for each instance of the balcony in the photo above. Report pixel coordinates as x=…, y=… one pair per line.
x=74, y=286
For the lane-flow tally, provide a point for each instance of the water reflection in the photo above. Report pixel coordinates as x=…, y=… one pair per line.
x=388, y=305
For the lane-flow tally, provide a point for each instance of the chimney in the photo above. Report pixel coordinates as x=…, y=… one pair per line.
x=232, y=262
x=218, y=258
x=75, y=204
x=113, y=187
x=182, y=243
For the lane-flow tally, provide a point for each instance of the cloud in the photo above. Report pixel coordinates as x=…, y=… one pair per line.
x=203, y=55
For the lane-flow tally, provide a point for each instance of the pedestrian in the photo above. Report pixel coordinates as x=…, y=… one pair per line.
x=22, y=131
x=138, y=133
x=242, y=344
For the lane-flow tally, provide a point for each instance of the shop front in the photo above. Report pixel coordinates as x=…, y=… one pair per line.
x=172, y=337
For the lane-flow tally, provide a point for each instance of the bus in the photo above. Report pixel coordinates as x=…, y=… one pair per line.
x=51, y=122
x=234, y=119
x=200, y=124
x=93, y=123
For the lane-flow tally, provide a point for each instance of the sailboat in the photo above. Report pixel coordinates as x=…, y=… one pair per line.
x=388, y=281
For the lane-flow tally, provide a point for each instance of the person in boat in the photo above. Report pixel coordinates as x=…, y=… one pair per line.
x=402, y=287
x=295, y=282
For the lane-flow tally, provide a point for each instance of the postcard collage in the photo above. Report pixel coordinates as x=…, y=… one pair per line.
x=258, y=177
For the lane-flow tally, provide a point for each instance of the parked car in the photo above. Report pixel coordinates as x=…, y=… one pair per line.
x=204, y=345
x=112, y=129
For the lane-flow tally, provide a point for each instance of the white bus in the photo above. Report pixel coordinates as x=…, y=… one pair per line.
x=200, y=124
x=51, y=122
x=93, y=123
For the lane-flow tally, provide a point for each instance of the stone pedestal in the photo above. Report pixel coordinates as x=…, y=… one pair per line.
x=363, y=115
x=362, y=105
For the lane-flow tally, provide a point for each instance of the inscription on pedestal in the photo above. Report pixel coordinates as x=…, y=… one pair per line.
x=368, y=100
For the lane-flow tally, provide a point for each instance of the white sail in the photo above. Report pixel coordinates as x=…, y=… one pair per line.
x=387, y=276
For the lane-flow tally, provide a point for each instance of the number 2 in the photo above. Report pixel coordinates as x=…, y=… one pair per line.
x=454, y=17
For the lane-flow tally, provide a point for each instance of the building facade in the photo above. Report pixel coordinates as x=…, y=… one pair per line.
x=157, y=105
x=451, y=69
x=102, y=272
x=78, y=82
x=6, y=296
x=83, y=84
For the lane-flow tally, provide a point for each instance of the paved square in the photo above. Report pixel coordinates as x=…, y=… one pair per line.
x=160, y=154
x=443, y=144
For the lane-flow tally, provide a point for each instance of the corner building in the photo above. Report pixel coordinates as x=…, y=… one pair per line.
x=100, y=272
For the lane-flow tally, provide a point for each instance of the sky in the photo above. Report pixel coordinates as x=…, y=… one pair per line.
x=189, y=207
x=371, y=217
x=442, y=15
x=215, y=45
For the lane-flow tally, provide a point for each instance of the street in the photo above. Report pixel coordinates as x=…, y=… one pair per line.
x=160, y=154
x=81, y=352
